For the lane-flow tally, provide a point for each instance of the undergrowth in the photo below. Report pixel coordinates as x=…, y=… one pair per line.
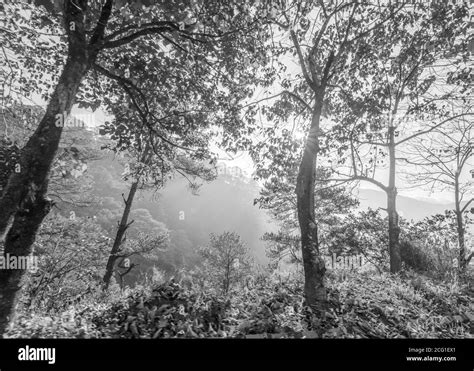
x=362, y=305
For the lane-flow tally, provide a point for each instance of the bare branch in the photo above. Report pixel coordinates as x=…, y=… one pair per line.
x=432, y=128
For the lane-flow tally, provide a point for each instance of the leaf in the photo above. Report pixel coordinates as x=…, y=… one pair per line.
x=163, y=323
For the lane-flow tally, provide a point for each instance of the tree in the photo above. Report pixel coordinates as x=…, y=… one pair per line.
x=143, y=248
x=277, y=196
x=441, y=160
x=85, y=33
x=426, y=246
x=69, y=182
x=321, y=36
x=24, y=196
x=153, y=173
x=400, y=88
x=137, y=130
x=226, y=260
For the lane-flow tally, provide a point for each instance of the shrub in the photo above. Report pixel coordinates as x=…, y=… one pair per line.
x=413, y=256
x=226, y=262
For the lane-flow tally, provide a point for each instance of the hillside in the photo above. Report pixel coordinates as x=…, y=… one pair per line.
x=409, y=208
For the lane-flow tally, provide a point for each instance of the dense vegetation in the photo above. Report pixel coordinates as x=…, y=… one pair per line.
x=360, y=306
x=320, y=96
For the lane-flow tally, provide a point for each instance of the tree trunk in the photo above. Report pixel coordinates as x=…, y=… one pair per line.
x=19, y=240
x=123, y=226
x=460, y=227
x=38, y=154
x=393, y=231
x=119, y=237
x=24, y=198
x=393, y=224
x=313, y=264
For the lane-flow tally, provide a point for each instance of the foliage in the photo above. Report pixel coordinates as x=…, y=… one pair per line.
x=138, y=256
x=277, y=196
x=362, y=306
x=428, y=246
x=71, y=254
x=69, y=181
x=385, y=306
x=432, y=244
x=362, y=233
x=226, y=262
x=177, y=77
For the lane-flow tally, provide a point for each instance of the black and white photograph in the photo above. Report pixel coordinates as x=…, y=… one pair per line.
x=236, y=178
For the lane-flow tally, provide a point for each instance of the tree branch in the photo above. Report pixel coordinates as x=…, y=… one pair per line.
x=310, y=82
x=467, y=204
x=432, y=128
x=98, y=34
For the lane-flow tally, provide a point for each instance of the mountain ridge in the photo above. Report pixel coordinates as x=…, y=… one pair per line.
x=408, y=207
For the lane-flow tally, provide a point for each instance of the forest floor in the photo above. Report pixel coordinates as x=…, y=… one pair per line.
x=360, y=305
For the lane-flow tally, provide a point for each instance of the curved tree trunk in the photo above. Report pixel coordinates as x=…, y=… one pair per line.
x=313, y=264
